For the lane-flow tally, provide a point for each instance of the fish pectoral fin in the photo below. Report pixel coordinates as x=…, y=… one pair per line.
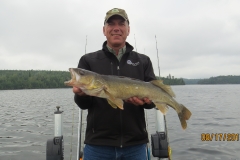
x=166, y=88
x=162, y=107
x=114, y=102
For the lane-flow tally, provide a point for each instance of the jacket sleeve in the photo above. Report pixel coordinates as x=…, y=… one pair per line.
x=84, y=102
x=148, y=76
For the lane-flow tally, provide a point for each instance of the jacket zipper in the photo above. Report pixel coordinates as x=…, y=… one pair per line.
x=121, y=129
x=118, y=70
x=121, y=121
x=112, y=68
x=93, y=125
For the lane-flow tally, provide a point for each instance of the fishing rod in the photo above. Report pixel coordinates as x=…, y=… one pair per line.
x=157, y=57
x=160, y=141
x=86, y=45
x=135, y=43
x=79, y=148
x=148, y=150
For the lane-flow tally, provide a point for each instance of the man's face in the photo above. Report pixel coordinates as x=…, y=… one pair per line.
x=116, y=31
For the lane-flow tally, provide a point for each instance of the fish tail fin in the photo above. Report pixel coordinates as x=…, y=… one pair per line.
x=184, y=115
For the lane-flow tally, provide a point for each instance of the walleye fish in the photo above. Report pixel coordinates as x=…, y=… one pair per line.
x=116, y=89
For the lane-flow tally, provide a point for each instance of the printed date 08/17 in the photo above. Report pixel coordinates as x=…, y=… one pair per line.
x=220, y=136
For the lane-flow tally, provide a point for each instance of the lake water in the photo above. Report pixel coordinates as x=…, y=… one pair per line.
x=26, y=122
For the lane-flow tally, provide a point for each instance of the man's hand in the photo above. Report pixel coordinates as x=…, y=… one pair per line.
x=136, y=101
x=78, y=91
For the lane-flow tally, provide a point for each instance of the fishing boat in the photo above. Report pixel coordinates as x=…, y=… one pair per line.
x=159, y=146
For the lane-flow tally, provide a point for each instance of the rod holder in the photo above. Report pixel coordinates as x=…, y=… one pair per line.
x=159, y=140
x=55, y=146
x=58, y=126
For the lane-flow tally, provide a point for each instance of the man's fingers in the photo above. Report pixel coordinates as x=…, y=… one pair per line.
x=131, y=100
x=136, y=101
x=78, y=91
x=146, y=100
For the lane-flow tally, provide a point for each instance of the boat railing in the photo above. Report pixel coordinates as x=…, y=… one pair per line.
x=159, y=144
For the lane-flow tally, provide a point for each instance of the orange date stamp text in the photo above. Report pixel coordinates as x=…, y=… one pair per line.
x=220, y=137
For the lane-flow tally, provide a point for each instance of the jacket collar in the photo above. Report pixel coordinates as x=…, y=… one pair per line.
x=129, y=48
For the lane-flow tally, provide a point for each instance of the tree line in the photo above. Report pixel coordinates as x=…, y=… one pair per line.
x=172, y=81
x=32, y=79
x=221, y=80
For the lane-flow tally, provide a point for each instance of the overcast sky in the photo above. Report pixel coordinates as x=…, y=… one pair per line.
x=195, y=38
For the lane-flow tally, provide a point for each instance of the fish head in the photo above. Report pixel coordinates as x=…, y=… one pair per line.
x=80, y=78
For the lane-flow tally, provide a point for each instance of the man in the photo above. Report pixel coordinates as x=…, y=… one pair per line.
x=114, y=133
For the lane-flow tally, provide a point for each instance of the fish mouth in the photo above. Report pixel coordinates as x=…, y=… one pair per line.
x=74, y=77
x=74, y=74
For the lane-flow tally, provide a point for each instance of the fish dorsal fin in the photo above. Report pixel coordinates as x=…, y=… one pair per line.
x=123, y=77
x=166, y=88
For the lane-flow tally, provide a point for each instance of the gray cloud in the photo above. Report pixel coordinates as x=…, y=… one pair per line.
x=196, y=39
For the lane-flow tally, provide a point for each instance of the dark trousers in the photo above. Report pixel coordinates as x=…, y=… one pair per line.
x=136, y=152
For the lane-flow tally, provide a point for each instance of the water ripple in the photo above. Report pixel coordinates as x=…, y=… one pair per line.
x=27, y=122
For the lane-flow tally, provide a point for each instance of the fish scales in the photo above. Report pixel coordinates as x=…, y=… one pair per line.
x=124, y=88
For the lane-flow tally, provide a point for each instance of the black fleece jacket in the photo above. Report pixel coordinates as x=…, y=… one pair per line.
x=115, y=127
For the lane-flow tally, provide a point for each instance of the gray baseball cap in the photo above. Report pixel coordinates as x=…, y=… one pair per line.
x=116, y=11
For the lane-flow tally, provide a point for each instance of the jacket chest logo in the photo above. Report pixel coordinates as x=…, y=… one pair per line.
x=131, y=63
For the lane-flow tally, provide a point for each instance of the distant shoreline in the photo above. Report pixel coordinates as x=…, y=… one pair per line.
x=43, y=79
x=230, y=79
